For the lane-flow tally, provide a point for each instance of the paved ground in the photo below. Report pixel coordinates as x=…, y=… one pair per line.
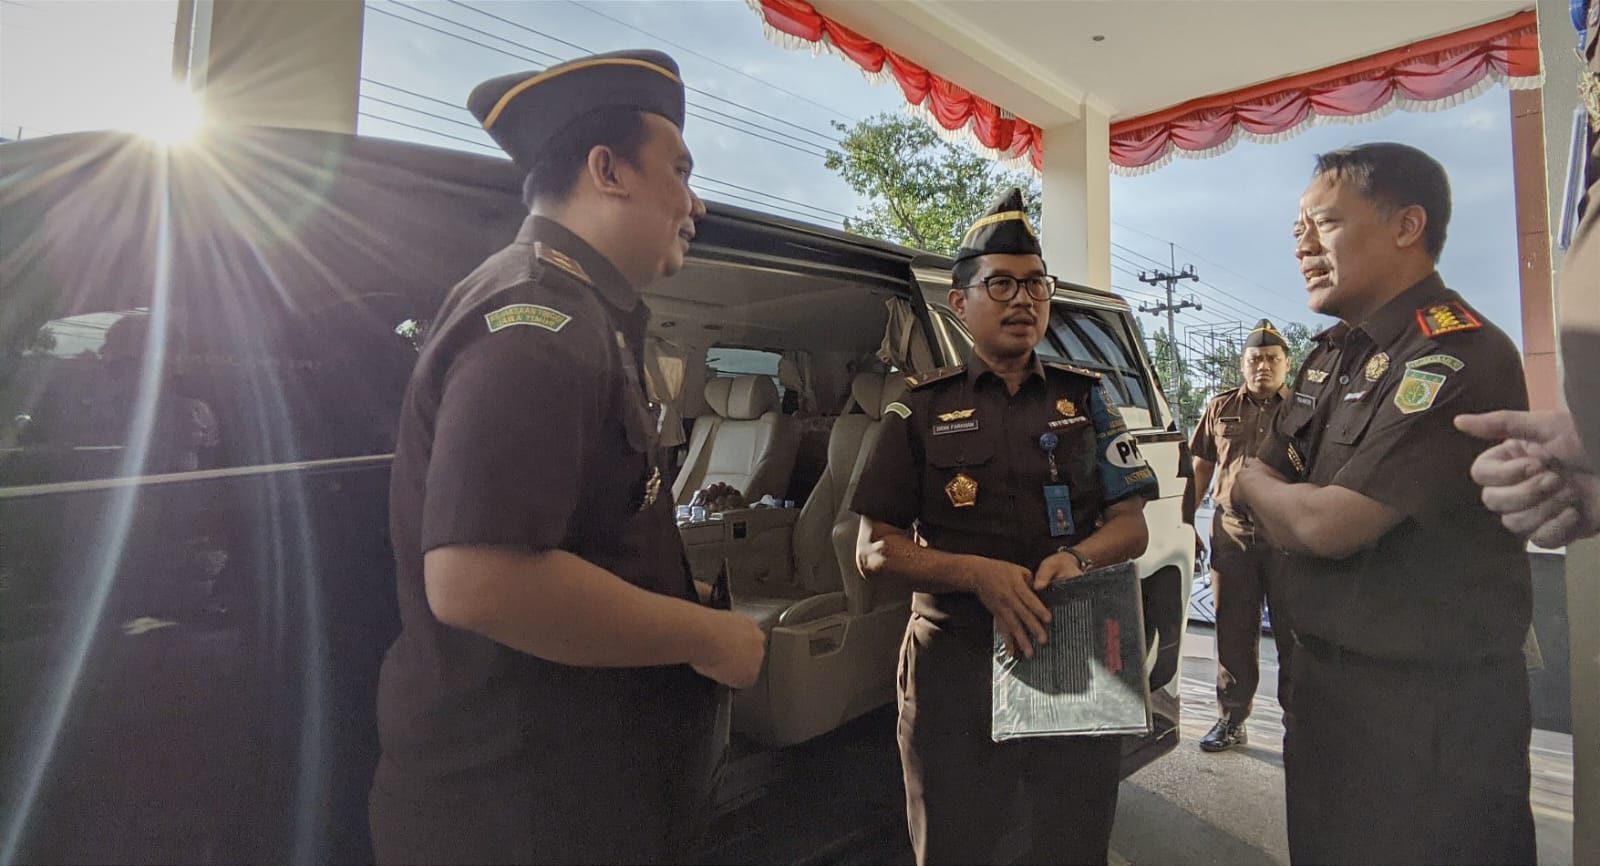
x=1193, y=808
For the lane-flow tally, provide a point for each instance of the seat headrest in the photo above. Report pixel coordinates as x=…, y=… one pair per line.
x=742, y=398
x=873, y=391
x=717, y=392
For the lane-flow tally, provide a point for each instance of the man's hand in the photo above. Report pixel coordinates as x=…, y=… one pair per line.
x=1537, y=479
x=1251, y=473
x=1058, y=566
x=733, y=649
x=1006, y=590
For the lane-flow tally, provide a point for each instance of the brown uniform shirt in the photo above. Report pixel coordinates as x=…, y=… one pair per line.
x=525, y=426
x=1373, y=411
x=1232, y=428
x=961, y=422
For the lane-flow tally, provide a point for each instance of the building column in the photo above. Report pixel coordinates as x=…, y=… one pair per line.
x=1562, y=69
x=286, y=63
x=1533, y=248
x=1077, y=199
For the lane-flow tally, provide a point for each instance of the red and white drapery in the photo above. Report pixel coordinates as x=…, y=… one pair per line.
x=1429, y=75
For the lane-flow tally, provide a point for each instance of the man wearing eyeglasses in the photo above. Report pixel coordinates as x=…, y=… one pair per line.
x=1232, y=428
x=990, y=480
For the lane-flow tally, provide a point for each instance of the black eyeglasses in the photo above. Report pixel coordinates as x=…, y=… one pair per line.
x=1003, y=287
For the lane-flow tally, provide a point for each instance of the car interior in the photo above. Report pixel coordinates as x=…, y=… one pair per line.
x=777, y=380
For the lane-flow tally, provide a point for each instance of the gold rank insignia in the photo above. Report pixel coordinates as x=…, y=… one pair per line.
x=1447, y=318
x=962, y=490
x=1316, y=377
x=1377, y=365
x=1417, y=391
x=558, y=259
x=1067, y=408
x=957, y=415
x=1294, y=458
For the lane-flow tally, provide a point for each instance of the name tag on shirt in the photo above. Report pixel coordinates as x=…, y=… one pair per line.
x=955, y=427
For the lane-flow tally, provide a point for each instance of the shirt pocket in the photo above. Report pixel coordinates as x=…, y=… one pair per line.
x=953, y=455
x=1350, y=422
x=1232, y=428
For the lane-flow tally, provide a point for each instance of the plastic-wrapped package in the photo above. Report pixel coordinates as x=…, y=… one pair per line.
x=1088, y=678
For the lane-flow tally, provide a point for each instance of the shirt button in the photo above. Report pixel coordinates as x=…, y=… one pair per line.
x=1344, y=380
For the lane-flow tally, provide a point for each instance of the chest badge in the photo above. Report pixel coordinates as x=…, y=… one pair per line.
x=957, y=415
x=1316, y=377
x=1377, y=365
x=1067, y=408
x=962, y=490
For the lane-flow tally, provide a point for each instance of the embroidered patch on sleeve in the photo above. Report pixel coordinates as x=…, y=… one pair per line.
x=897, y=408
x=526, y=314
x=1417, y=391
x=1450, y=361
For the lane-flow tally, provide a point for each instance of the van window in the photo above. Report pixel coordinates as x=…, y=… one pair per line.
x=1099, y=340
x=726, y=361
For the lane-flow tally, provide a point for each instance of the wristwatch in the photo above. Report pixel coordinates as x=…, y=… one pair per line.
x=1084, y=562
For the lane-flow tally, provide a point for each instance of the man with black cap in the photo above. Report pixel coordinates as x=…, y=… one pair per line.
x=1231, y=429
x=989, y=481
x=551, y=696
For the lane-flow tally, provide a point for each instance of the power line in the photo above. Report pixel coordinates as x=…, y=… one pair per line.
x=821, y=211
x=427, y=130
x=834, y=111
x=1251, y=309
x=497, y=50
x=1197, y=255
x=520, y=26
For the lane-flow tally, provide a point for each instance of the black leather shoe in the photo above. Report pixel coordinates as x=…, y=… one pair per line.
x=1224, y=736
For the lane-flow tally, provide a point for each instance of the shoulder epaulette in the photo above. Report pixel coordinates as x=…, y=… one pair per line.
x=560, y=261
x=1447, y=318
x=1071, y=369
x=939, y=375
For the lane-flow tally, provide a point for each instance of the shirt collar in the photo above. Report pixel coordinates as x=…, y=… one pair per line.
x=1282, y=394
x=977, y=369
x=1387, y=324
x=556, y=241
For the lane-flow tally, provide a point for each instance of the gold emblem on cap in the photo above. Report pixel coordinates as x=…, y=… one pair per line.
x=1067, y=408
x=500, y=105
x=962, y=490
x=958, y=415
x=1377, y=366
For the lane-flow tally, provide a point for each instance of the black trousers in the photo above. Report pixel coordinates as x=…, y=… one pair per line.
x=1395, y=765
x=1242, y=574
x=962, y=788
x=634, y=796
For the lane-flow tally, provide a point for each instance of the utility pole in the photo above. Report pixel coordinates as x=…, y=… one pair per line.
x=1171, y=279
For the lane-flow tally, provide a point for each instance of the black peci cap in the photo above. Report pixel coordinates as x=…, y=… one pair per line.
x=522, y=112
x=1004, y=229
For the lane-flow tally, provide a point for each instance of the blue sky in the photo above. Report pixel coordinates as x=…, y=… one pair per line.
x=760, y=119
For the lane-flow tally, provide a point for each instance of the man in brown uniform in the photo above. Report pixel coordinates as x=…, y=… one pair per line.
x=1409, y=601
x=551, y=695
x=1231, y=429
x=1012, y=473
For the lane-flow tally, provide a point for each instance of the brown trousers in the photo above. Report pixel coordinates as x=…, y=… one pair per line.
x=1392, y=764
x=962, y=787
x=1241, y=576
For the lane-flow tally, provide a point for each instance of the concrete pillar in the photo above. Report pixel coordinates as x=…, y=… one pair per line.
x=1077, y=199
x=1560, y=97
x=1533, y=247
x=289, y=63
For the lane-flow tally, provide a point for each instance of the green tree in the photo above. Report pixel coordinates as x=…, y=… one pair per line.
x=922, y=191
